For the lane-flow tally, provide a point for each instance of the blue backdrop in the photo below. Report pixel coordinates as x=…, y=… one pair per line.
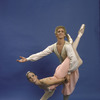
x=27, y=27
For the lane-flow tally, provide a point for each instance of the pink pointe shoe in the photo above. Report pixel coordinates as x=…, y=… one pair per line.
x=81, y=31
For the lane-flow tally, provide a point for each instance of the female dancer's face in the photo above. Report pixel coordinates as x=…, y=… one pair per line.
x=32, y=77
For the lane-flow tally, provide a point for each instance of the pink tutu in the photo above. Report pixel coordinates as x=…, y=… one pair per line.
x=61, y=72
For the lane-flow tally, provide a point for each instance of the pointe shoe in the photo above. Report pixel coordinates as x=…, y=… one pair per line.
x=81, y=31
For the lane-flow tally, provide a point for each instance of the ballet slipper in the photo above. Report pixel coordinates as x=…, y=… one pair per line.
x=81, y=31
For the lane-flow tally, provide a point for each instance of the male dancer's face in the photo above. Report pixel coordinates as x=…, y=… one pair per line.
x=60, y=33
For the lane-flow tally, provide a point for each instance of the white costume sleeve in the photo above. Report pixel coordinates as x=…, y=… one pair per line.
x=72, y=57
x=41, y=54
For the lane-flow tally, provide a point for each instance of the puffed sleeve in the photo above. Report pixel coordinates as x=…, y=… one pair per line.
x=41, y=54
x=72, y=57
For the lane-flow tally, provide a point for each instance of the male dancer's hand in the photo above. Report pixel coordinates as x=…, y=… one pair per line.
x=23, y=59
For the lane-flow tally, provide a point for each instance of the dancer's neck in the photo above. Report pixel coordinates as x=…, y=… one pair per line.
x=60, y=42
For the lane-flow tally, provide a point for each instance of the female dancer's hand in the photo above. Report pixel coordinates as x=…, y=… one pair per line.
x=23, y=59
x=68, y=77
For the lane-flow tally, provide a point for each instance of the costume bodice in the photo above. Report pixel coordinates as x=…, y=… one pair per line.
x=63, y=54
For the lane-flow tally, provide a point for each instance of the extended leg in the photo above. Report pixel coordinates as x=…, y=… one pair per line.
x=80, y=33
x=47, y=95
x=62, y=69
x=76, y=42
